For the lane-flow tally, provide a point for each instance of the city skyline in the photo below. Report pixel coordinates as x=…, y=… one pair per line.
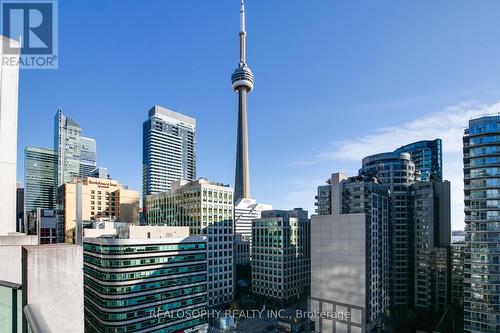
x=395, y=101
x=380, y=119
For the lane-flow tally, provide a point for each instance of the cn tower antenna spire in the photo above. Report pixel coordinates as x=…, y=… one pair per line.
x=242, y=16
x=242, y=80
x=243, y=35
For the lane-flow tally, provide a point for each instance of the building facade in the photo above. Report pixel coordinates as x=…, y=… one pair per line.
x=350, y=256
x=88, y=156
x=207, y=209
x=67, y=135
x=428, y=158
x=100, y=198
x=100, y=172
x=131, y=283
x=457, y=273
x=281, y=255
x=246, y=210
x=431, y=253
x=241, y=250
x=323, y=199
x=39, y=181
x=481, y=147
x=168, y=151
x=46, y=225
x=397, y=172
x=9, y=83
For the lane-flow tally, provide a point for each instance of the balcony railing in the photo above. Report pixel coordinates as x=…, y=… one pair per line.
x=10, y=311
x=35, y=321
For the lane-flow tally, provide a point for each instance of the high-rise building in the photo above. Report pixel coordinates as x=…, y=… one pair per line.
x=242, y=83
x=246, y=210
x=324, y=200
x=457, y=273
x=148, y=281
x=88, y=156
x=100, y=198
x=481, y=147
x=431, y=251
x=397, y=172
x=350, y=256
x=428, y=158
x=67, y=134
x=39, y=172
x=9, y=79
x=207, y=209
x=168, y=149
x=281, y=258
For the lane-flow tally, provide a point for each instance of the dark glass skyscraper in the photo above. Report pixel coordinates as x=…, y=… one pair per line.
x=431, y=251
x=39, y=173
x=428, y=158
x=481, y=143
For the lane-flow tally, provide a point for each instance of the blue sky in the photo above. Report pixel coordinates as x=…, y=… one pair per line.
x=334, y=81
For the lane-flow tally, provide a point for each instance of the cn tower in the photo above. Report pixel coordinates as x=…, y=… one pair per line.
x=242, y=80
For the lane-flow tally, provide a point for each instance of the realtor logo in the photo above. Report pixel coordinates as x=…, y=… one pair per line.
x=32, y=25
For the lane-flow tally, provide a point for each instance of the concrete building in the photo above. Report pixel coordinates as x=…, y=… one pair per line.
x=397, y=171
x=88, y=156
x=107, y=228
x=153, y=269
x=457, y=273
x=9, y=79
x=168, y=149
x=100, y=198
x=67, y=134
x=481, y=147
x=431, y=253
x=242, y=82
x=39, y=181
x=428, y=158
x=10, y=255
x=52, y=295
x=281, y=258
x=207, y=209
x=350, y=252
x=246, y=210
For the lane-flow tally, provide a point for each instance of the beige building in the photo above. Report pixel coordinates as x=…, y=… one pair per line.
x=101, y=198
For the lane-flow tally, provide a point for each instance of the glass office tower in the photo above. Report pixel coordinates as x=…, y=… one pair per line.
x=481, y=144
x=281, y=241
x=428, y=158
x=67, y=148
x=39, y=171
x=88, y=156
